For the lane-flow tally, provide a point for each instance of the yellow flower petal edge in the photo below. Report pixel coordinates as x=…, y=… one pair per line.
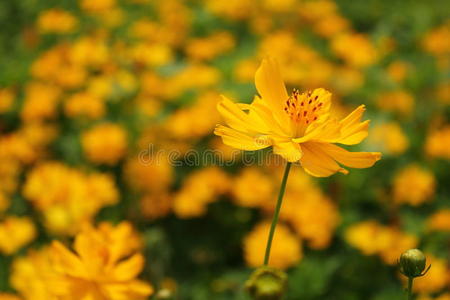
x=298, y=126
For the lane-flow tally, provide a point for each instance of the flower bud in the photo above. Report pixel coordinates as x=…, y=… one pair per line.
x=412, y=263
x=267, y=283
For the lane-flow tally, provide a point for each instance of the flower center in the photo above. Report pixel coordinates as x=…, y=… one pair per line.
x=304, y=108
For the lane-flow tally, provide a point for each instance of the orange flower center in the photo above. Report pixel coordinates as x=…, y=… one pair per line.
x=303, y=108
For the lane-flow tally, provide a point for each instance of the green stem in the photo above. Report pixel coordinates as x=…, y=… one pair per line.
x=277, y=213
x=410, y=285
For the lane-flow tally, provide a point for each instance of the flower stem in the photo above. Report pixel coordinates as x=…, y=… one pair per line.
x=410, y=285
x=277, y=213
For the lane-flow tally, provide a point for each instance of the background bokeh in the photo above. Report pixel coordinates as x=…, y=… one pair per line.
x=104, y=103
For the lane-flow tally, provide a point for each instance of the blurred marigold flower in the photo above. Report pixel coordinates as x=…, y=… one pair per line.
x=200, y=189
x=299, y=127
x=7, y=97
x=436, y=278
x=413, y=185
x=437, y=144
x=63, y=202
x=97, y=6
x=398, y=70
x=84, y=104
x=7, y=296
x=105, y=143
x=362, y=53
x=399, y=101
x=373, y=238
x=40, y=102
x=15, y=232
x=104, y=264
x=286, y=249
x=439, y=221
x=210, y=47
x=252, y=188
x=390, y=138
x=56, y=21
x=437, y=41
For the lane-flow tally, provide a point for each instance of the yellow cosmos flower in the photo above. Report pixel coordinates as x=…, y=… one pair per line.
x=103, y=266
x=298, y=127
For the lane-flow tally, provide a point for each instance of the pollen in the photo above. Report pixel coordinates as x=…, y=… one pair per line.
x=303, y=108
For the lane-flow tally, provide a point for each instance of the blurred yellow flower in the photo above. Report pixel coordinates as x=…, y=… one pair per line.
x=299, y=127
x=184, y=123
x=7, y=97
x=84, y=104
x=40, y=102
x=437, y=41
x=398, y=70
x=211, y=46
x=413, y=185
x=30, y=275
x=68, y=204
x=355, y=49
x=439, y=221
x=104, y=265
x=436, y=278
x=437, y=144
x=286, y=249
x=105, y=143
x=56, y=21
x=252, y=188
x=445, y=296
x=313, y=216
x=396, y=101
x=97, y=6
x=373, y=238
x=6, y=296
x=200, y=189
x=390, y=138
x=15, y=232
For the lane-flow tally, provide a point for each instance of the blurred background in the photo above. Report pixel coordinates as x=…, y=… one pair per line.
x=103, y=105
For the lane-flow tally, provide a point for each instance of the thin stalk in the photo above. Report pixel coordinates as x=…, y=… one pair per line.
x=410, y=285
x=277, y=213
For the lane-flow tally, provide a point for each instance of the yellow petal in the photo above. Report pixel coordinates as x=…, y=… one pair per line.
x=289, y=150
x=317, y=163
x=329, y=131
x=135, y=290
x=353, y=131
x=259, y=111
x=239, y=140
x=350, y=159
x=130, y=268
x=67, y=262
x=237, y=119
x=270, y=86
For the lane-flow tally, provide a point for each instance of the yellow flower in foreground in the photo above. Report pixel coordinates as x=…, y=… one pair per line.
x=104, y=265
x=299, y=127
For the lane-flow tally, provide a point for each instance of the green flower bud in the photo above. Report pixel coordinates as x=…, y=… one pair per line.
x=267, y=283
x=412, y=263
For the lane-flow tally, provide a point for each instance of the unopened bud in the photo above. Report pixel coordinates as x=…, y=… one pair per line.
x=412, y=263
x=267, y=283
